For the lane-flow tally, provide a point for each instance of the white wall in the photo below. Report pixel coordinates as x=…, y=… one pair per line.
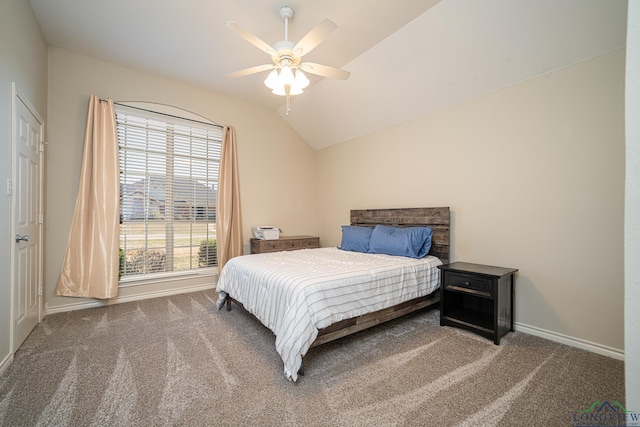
x=277, y=168
x=23, y=60
x=632, y=210
x=534, y=177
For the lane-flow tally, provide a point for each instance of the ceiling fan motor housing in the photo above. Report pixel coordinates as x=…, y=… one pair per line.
x=284, y=47
x=286, y=13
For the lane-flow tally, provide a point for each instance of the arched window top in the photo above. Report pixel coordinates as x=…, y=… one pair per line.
x=168, y=110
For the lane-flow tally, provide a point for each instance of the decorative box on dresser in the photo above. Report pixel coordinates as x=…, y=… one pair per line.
x=479, y=298
x=284, y=243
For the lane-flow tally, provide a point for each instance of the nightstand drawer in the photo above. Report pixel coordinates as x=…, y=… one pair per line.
x=468, y=283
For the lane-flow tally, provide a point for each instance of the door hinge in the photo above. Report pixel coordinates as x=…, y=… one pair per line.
x=40, y=290
x=40, y=219
x=42, y=146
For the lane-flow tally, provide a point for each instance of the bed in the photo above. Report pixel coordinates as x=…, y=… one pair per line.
x=313, y=296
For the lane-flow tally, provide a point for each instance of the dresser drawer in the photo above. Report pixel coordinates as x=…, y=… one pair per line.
x=310, y=243
x=287, y=243
x=293, y=244
x=273, y=245
x=468, y=283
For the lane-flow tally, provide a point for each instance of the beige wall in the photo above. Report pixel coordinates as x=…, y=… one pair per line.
x=534, y=173
x=632, y=210
x=23, y=60
x=534, y=177
x=277, y=168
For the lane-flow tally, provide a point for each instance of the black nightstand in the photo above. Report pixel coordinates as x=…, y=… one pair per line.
x=479, y=298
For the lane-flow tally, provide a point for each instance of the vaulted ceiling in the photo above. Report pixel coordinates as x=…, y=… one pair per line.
x=406, y=57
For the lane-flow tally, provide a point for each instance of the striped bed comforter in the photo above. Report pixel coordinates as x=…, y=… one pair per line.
x=296, y=293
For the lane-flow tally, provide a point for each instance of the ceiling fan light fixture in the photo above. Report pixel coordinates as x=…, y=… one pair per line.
x=272, y=80
x=286, y=76
x=287, y=90
x=279, y=90
x=278, y=81
x=301, y=80
x=295, y=90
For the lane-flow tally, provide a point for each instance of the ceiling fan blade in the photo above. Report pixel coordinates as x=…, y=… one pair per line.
x=252, y=70
x=251, y=38
x=314, y=37
x=324, y=70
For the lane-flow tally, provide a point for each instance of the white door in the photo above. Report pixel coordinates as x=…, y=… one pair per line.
x=27, y=219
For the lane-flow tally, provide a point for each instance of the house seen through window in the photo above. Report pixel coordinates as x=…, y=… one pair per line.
x=168, y=184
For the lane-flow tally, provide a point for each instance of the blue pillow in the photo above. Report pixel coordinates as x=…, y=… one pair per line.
x=355, y=238
x=413, y=242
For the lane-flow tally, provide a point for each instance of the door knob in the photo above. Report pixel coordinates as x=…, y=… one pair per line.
x=19, y=237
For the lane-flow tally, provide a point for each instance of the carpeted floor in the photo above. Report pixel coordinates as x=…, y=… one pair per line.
x=178, y=361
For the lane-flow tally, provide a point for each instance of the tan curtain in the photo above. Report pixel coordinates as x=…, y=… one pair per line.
x=228, y=218
x=91, y=262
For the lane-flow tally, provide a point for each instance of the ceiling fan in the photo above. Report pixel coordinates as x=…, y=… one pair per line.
x=287, y=77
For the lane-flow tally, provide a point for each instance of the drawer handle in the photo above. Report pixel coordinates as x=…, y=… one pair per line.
x=467, y=283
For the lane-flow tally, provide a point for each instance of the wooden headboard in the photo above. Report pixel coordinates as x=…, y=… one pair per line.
x=436, y=218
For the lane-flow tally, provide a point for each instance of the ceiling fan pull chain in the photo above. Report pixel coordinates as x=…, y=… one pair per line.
x=287, y=89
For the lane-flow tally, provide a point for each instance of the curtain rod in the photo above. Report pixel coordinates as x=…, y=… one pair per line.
x=165, y=114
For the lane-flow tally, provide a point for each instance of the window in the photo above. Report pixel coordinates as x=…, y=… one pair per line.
x=168, y=183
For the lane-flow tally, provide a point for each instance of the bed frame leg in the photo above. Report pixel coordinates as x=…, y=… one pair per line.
x=228, y=301
x=301, y=370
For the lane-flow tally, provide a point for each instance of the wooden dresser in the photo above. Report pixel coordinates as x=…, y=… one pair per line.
x=284, y=243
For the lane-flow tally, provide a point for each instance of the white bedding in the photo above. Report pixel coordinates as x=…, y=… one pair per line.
x=296, y=293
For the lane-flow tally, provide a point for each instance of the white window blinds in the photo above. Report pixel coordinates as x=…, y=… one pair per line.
x=168, y=183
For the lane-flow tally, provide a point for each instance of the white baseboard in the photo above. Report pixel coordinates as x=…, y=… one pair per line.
x=527, y=329
x=4, y=365
x=118, y=300
x=571, y=341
